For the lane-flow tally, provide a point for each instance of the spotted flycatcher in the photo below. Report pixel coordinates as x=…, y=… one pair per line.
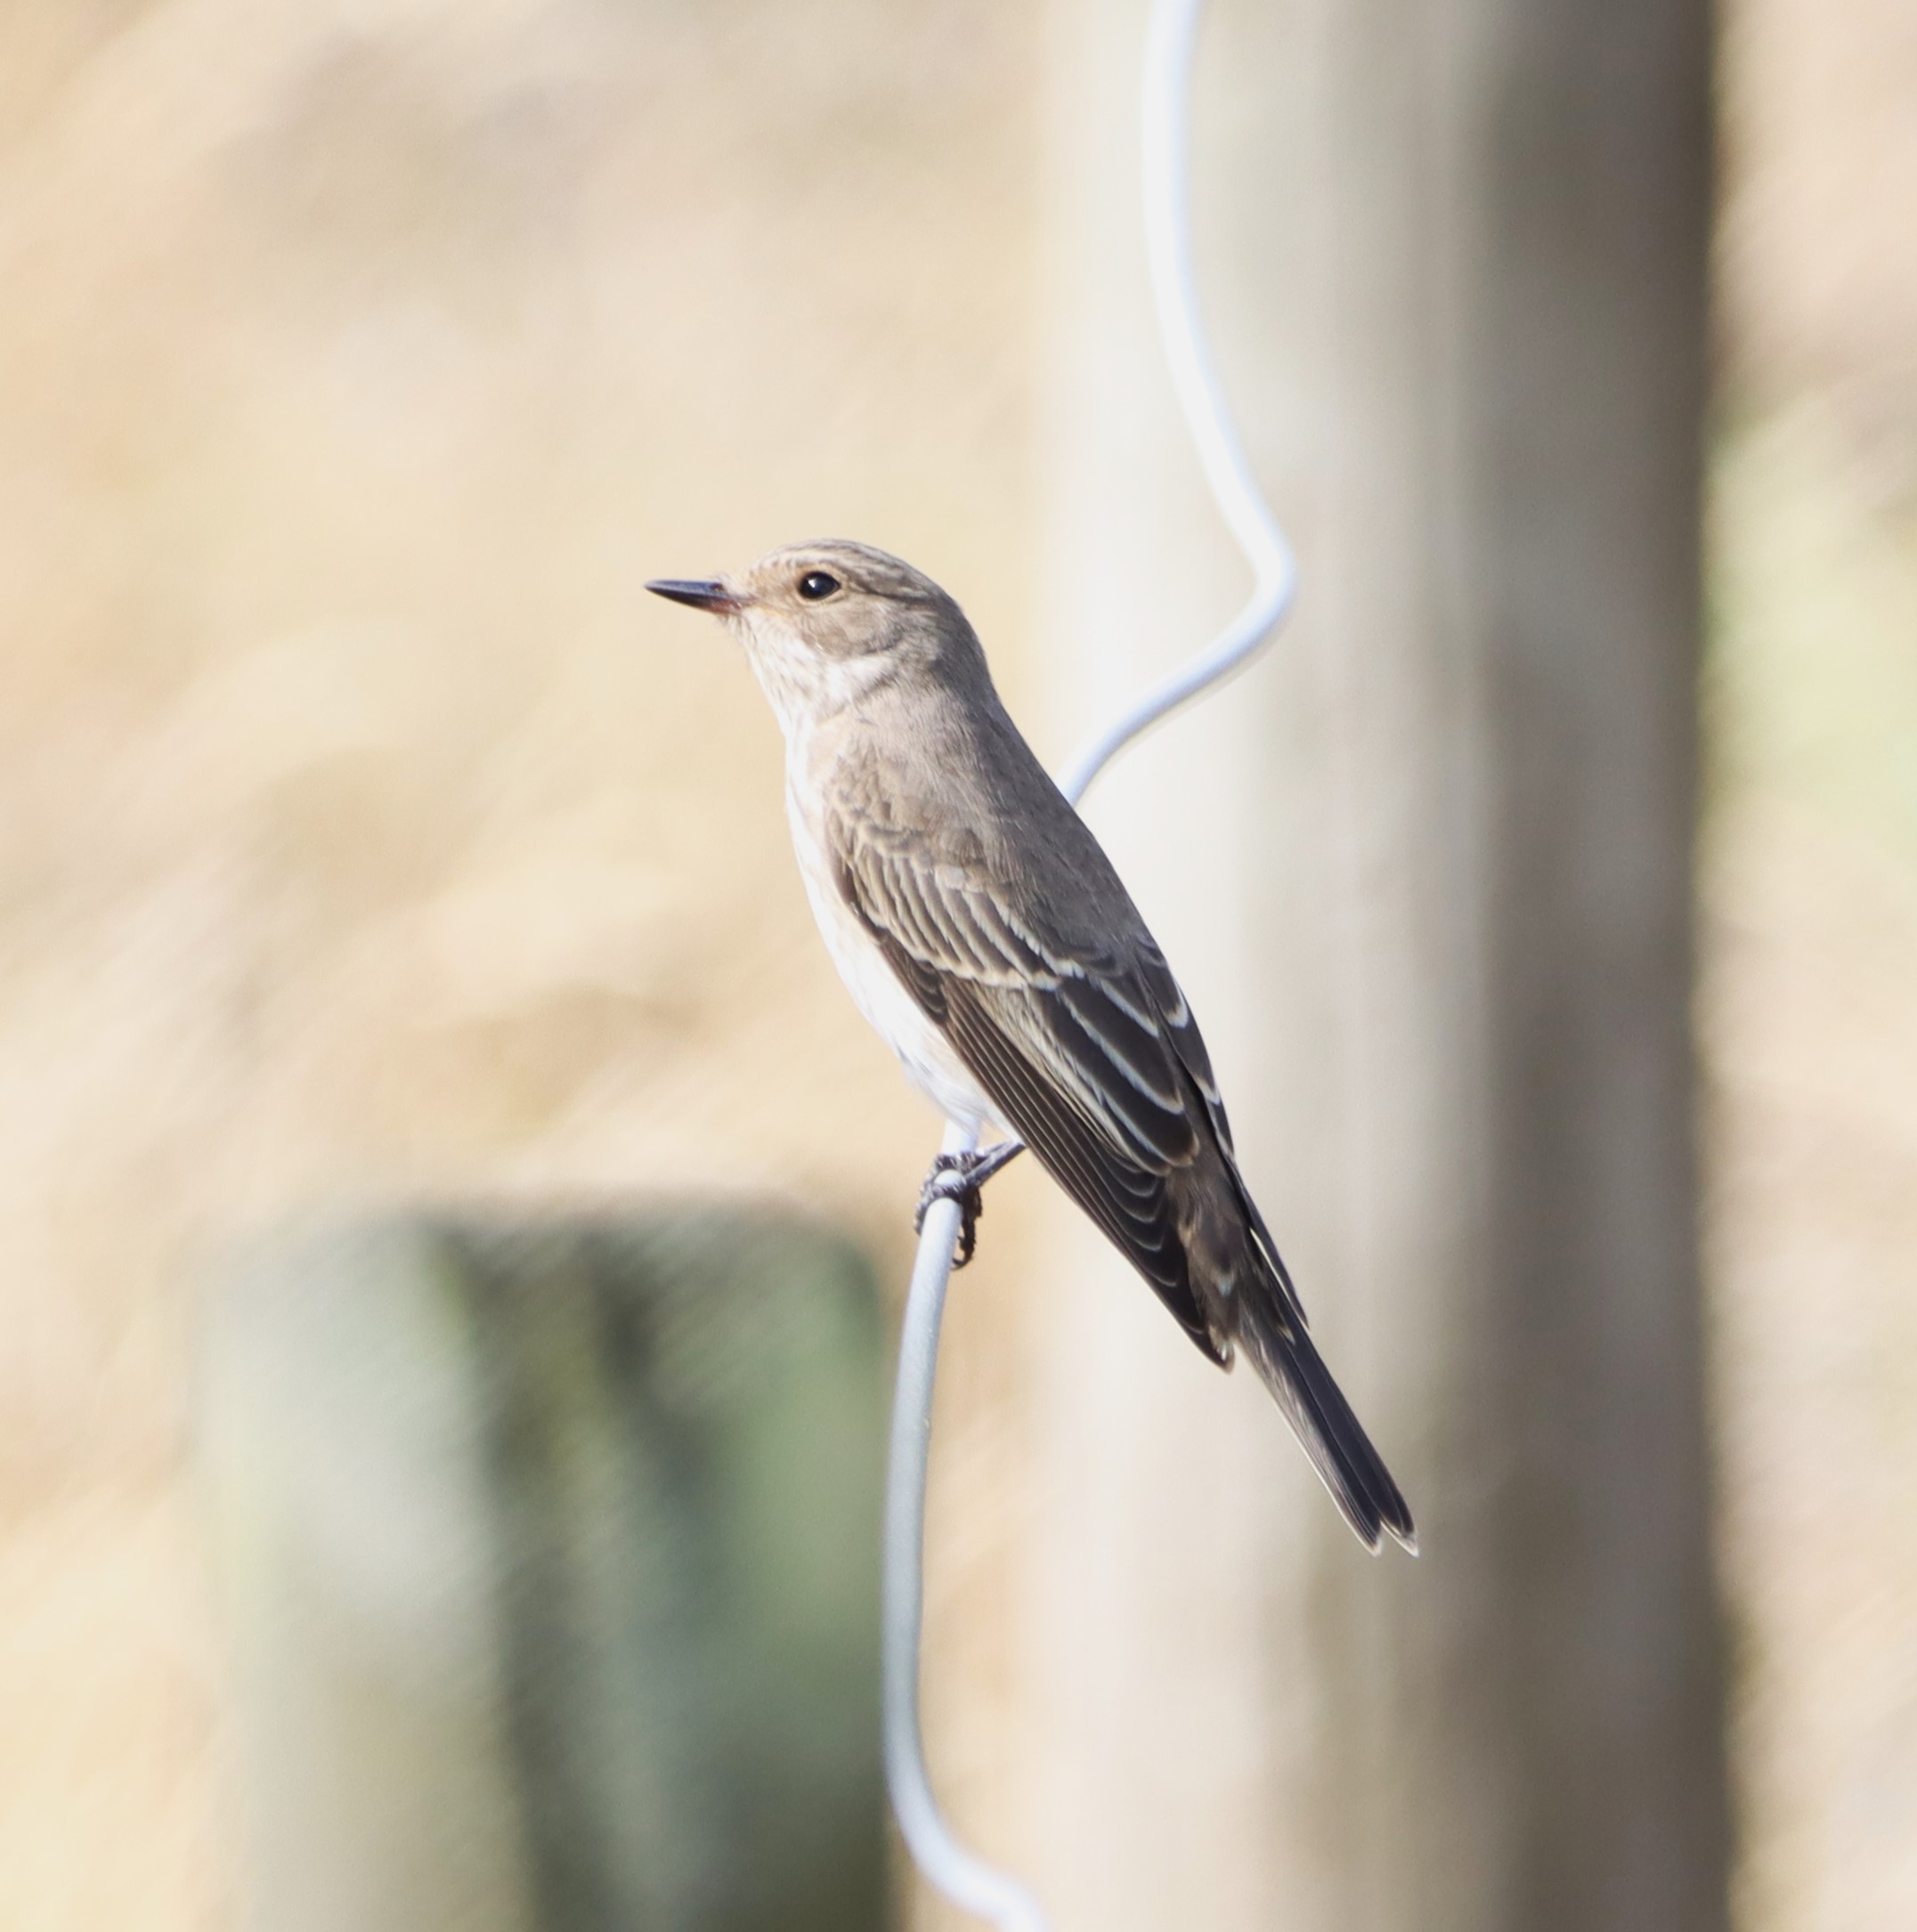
x=984, y=933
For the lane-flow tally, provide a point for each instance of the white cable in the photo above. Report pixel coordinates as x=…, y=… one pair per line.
x=1166, y=144
x=961, y=1875
x=964, y=1877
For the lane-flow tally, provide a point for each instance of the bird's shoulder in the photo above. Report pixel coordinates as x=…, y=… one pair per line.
x=959, y=814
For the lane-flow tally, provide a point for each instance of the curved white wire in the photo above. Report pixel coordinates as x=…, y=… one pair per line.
x=964, y=1877
x=1164, y=128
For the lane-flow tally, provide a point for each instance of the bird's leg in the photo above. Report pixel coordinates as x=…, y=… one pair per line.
x=960, y=1177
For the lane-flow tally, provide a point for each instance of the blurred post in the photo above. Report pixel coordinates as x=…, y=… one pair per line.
x=1428, y=879
x=550, y=1549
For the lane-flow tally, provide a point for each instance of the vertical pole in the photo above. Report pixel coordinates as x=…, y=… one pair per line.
x=1427, y=878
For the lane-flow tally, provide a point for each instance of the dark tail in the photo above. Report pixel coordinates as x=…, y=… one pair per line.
x=1273, y=1333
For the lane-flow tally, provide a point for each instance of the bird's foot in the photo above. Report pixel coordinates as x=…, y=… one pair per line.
x=951, y=1180
x=962, y=1178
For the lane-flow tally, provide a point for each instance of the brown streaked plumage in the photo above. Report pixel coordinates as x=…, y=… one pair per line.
x=984, y=932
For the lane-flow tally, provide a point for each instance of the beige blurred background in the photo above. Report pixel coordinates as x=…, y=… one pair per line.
x=1808, y=1002
x=367, y=834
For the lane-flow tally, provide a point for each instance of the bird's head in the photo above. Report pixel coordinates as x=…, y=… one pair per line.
x=824, y=623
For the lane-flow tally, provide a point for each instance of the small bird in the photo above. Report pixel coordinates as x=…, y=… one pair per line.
x=982, y=931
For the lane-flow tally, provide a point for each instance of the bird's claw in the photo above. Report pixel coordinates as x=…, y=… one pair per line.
x=951, y=1180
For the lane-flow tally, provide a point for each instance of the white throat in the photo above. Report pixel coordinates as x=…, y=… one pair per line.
x=804, y=687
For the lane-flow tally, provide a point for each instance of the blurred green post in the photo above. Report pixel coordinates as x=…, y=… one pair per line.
x=551, y=1554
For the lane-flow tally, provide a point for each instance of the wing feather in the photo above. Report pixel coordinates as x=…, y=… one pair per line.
x=1064, y=1036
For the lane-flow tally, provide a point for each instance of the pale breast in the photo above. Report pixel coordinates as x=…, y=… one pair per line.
x=927, y=1056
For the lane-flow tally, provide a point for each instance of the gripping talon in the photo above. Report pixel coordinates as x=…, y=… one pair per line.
x=951, y=1180
x=971, y=1205
x=962, y=1178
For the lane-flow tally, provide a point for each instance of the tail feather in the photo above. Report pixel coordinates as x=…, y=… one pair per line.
x=1292, y=1368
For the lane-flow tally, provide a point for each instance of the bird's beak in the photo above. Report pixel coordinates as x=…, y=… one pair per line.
x=711, y=594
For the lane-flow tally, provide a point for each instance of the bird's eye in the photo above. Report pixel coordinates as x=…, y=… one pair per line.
x=816, y=584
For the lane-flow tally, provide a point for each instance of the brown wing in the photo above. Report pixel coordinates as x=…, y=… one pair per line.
x=1086, y=1046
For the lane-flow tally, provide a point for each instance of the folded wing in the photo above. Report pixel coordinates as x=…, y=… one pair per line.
x=1072, y=1037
